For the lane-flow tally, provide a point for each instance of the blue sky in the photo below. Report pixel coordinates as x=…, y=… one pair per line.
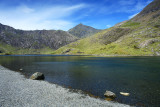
x=65, y=14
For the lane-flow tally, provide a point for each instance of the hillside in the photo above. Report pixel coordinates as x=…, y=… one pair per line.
x=138, y=36
x=27, y=42
x=82, y=31
x=149, y=13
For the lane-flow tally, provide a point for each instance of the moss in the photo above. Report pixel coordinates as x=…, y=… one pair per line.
x=130, y=24
x=9, y=50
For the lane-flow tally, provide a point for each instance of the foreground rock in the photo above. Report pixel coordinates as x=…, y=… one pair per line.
x=37, y=76
x=17, y=91
x=110, y=94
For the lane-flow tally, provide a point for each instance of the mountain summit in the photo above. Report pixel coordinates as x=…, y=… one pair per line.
x=82, y=31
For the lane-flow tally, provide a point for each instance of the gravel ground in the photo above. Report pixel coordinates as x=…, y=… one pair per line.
x=17, y=91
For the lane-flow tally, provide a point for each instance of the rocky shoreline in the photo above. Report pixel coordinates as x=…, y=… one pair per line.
x=17, y=91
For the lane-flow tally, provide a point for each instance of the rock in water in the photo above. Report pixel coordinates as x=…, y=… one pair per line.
x=37, y=76
x=110, y=94
x=124, y=94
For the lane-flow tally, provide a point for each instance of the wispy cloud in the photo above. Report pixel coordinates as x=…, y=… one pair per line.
x=123, y=6
x=131, y=16
x=25, y=9
x=64, y=14
x=139, y=6
x=108, y=26
x=27, y=18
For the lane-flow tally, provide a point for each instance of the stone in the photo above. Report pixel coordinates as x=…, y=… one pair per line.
x=37, y=76
x=66, y=51
x=124, y=94
x=7, y=54
x=148, y=42
x=110, y=94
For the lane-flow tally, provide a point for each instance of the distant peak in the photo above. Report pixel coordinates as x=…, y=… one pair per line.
x=82, y=31
x=80, y=24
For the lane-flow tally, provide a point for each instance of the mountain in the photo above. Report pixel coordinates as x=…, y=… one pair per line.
x=33, y=40
x=138, y=36
x=82, y=31
x=149, y=13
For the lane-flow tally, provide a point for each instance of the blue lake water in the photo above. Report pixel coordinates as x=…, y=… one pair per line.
x=140, y=76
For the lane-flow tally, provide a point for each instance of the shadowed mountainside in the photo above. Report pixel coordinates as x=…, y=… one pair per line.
x=138, y=36
x=37, y=39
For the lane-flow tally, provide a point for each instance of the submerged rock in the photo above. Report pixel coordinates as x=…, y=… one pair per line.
x=110, y=94
x=124, y=94
x=37, y=76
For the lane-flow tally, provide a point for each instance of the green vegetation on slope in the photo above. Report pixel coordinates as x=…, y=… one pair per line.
x=130, y=24
x=128, y=44
x=8, y=49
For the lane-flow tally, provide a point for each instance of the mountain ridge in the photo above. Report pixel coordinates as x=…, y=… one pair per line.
x=34, y=39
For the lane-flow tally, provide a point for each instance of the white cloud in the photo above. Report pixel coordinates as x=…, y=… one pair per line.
x=108, y=26
x=132, y=16
x=26, y=18
x=25, y=9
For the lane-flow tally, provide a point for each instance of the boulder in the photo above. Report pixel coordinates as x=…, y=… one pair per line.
x=148, y=42
x=66, y=51
x=37, y=76
x=124, y=94
x=7, y=53
x=110, y=94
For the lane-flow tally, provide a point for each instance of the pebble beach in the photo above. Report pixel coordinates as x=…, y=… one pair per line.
x=18, y=91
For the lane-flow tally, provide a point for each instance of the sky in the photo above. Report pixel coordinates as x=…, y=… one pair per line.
x=65, y=14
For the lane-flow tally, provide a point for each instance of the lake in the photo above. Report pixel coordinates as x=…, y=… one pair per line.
x=139, y=76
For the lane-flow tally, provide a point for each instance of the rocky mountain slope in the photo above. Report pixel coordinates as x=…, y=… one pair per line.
x=38, y=39
x=82, y=31
x=138, y=36
x=149, y=13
